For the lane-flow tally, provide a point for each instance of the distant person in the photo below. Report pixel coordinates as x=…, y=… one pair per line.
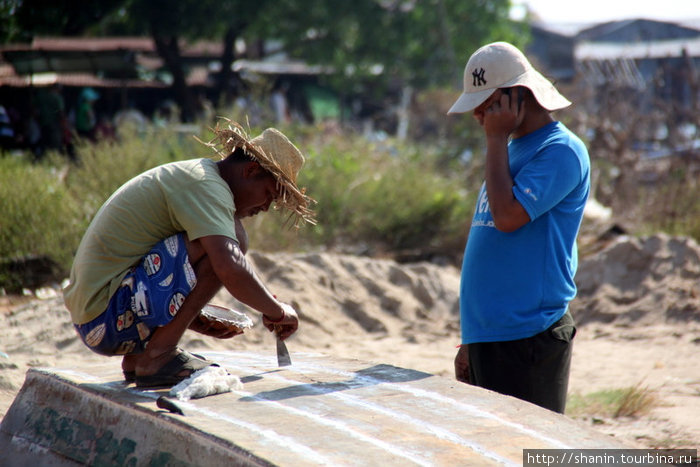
x=32, y=133
x=205, y=108
x=130, y=119
x=520, y=259
x=104, y=129
x=279, y=103
x=85, y=118
x=53, y=122
x=7, y=132
x=166, y=114
x=165, y=243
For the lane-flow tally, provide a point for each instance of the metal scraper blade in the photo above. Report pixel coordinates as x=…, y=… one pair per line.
x=282, y=354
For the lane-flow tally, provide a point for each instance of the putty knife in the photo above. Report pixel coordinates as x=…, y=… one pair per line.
x=282, y=352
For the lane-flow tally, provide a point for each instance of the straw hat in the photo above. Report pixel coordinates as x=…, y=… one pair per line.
x=502, y=65
x=276, y=154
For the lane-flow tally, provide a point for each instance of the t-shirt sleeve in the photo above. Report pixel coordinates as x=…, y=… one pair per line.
x=543, y=182
x=204, y=208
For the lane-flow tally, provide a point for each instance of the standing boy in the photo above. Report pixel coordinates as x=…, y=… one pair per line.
x=520, y=259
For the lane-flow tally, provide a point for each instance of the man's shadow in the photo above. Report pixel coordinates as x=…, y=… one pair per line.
x=363, y=378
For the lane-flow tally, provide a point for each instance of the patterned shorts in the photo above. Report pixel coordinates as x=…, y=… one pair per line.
x=150, y=296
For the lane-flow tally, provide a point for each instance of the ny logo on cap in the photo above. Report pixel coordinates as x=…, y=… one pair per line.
x=478, y=77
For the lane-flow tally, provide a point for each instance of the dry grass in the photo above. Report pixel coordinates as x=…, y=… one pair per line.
x=633, y=401
x=636, y=401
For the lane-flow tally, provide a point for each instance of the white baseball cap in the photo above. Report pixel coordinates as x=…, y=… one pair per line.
x=502, y=65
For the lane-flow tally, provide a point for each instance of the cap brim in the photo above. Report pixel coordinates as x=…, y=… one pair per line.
x=470, y=101
x=547, y=95
x=544, y=91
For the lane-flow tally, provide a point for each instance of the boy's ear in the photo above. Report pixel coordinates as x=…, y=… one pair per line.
x=252, y=169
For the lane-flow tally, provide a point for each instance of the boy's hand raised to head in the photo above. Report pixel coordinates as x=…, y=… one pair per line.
x=503, y=116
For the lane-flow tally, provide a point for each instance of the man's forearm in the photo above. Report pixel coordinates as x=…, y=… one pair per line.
x=507, y=212
x=237, y=276
x=499, y=183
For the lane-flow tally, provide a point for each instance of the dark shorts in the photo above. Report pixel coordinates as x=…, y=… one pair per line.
x=150, y=296
x=535, y=369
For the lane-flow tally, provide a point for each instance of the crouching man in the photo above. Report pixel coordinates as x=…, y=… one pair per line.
x=166, y=242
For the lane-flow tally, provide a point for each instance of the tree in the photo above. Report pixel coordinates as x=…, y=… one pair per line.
x=379, y=48
x=168, y=22
x=65, y=18
x=421, y=43
x=389, y=43
x=9, y=30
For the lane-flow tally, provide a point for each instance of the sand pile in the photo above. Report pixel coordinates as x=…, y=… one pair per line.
x=632, y=282
x=640, y=282
x=340, y=297
x=407, y=315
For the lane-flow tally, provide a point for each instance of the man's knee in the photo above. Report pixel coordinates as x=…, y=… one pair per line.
x=204, y=271
x=241, y=235
x=195, y=250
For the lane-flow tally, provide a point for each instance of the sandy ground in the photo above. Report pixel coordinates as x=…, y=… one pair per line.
x=638, y=314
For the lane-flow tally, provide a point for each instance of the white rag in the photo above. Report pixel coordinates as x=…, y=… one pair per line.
x=205, y=382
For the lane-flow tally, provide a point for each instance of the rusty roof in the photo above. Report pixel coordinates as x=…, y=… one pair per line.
x=142, y=44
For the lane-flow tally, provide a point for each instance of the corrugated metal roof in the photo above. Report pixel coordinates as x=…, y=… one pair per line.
x=274, y=67
x=103, y=44
x=197, y=77
x=32, y=61
x=96, y=55
x=637, y=30
x=100, y=62
x=637, y=50
x=75, y=79
x=144, y=44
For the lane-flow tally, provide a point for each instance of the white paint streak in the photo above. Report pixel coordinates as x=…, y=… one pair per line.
x=420, y=425
x=245, y=361
x=306, y=368
x=265, y=433
x=270, y=434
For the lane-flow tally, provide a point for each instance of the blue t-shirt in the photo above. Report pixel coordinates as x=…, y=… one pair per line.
x=515, y=285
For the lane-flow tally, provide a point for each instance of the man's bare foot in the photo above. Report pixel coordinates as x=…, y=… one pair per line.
x=129, y=368
x=129, y=363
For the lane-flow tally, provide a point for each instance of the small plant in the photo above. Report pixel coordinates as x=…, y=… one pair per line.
x=635, y=401
x=673, y=204
x=632, y=401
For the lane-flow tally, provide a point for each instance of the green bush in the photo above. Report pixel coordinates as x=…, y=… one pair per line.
x=46, y=207
x=672, y=205
x=39, y=218
x=374, y=198
x=385, y=197
x=106, y=166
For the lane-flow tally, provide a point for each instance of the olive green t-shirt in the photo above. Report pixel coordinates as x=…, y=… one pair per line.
x=187, y=196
